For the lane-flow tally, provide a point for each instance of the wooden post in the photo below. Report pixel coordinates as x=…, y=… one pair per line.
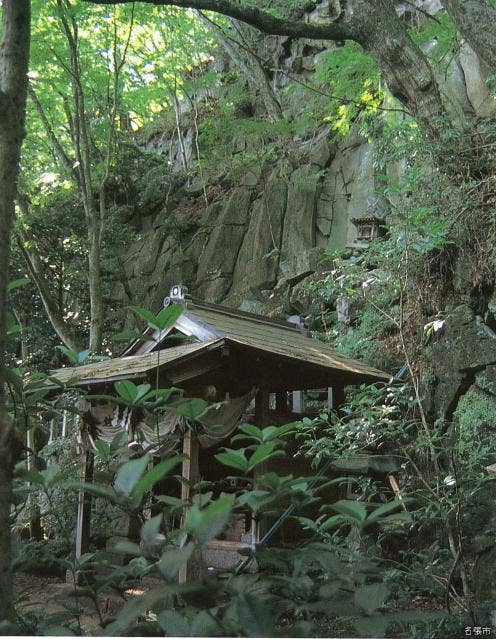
x=298, y=402
x=190, y=470
x=191, y=473
x=262, y=402
x=35, y=530
x=83, y=524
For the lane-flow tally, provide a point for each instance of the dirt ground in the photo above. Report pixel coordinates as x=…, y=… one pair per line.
x=39, y=596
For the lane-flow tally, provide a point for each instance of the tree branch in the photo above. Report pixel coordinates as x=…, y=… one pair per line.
x=260, y=19
x=34, y=265
x=61, y=155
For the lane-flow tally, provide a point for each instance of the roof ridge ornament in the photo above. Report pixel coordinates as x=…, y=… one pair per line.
x=177, y=294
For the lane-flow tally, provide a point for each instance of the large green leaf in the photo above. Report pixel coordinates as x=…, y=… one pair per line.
x=150, y=531
x=155, y=474
x=189, y=408
x=17, y=283
x=355, y=510
x=129, y=475
x=168, y=316
x=174, y=559
x=233, y=459
x=209, y=523
x=126, y=390
x=263, y=453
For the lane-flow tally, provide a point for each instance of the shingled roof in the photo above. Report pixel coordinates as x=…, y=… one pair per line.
x=215, y=327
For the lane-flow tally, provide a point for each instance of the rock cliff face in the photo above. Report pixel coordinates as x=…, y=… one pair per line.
x=266, y=232
x=267, y=225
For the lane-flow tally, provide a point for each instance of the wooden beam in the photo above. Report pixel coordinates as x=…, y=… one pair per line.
x=191, y=474
x=83, y=522
x=262, y=406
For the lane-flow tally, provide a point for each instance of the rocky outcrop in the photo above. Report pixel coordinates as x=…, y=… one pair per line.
x=257, y=240
x=265, y=227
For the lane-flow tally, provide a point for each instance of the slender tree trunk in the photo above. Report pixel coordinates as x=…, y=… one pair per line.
x=14, y=57
x=476, y=21
x=36, y=272
x=95, y=278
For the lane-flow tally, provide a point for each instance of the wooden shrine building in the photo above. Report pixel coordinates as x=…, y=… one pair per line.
x=239, y=361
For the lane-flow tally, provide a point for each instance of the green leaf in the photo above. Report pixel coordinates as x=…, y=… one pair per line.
x=233, y=459
x=209, y=523
x=145, y=314
x=371, y=597
x=168, y=316
x=162, y=393
x=251, y=430
x=141, y=391
x=17, y=283
x=174, y=502
x=355, y=510
x=99, y=490
x=189, y=408
x=155, y=474
x=263, y=453
x=383, y=510
x=82, y=356
x=129, y=475
x=103, y=448
x=119, y=441
x=127, y=390
x=126, y=336
x=256, y=615
x=150, y=530
x=332, y=522
x=174, y=559
x=174, y=624
x=69, y=353
x=14, y=329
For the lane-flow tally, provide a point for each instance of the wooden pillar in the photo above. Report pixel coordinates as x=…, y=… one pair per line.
x=298, y=402
x=83, y=524
x=262, y=403
x=35, y=530
x=262, y=419
x=191, y=474
x=190, y=470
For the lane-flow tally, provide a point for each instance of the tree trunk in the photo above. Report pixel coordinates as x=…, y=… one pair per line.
x=36, y=272
x=405, y=69
x=95, y=278
x=476, y=21
x=14, y=56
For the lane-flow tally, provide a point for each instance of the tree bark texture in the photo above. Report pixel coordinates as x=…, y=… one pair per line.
x=405, y=69
x=476, y=21
x=14, y=57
